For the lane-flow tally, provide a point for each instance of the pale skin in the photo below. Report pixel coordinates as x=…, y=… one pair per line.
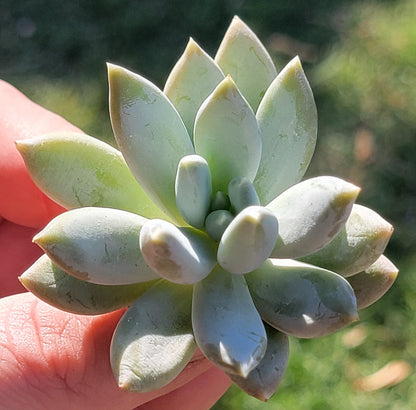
x=51, y=359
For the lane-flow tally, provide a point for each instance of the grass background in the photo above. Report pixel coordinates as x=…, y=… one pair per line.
x=359, y=57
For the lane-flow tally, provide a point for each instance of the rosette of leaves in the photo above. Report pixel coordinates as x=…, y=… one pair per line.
x=200, y=224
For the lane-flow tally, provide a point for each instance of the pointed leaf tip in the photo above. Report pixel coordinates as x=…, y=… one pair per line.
x=288, y=122
x=371, y=284
x=300, y=299
x=227, y=326
x=359, y=244
x=310, y=214
x=264, y=379
x=153, y=341
x=54, y=286
x=192, y=79
x=98, y=245
x=242, y=55
x=226, y=134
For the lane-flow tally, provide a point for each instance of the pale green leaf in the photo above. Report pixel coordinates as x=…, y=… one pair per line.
x=227, y=326
x=359, y=244
x=77, y=170
x=153, y=342
x=193, y=189
x=193, y=78
x=310, y=214
x=98, y=245
x=243, y=56
x=242, y=194
x=150, y=134
x=300, y=299
x=227, y=136
x=264, y=379
x=287, y=120
x=54, y=286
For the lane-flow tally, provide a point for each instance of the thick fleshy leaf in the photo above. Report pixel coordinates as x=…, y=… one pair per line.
x=98, y=245
x=77, y=170
x=180, y=255
x=150, y=134
x=300, y=299
x=220, y=200
x=248, y=240
x=193, y=78
x=54, y=286
x=310, y=214
x=216, y=223
x=153, y=341
x=243, y=56
x=242, y=194
x=371, y=284
x=227, y=326
x=227, y=136
x=263, y=381
x=288, y=124
x=193, y=189
x=359, y=244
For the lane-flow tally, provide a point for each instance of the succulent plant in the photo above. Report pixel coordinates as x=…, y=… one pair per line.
x=201, y=225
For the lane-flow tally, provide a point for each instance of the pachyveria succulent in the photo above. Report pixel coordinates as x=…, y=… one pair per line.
x=201, y=224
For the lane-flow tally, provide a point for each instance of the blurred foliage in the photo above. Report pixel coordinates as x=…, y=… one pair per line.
x=76, y=38
x=56, y=51
x=366, y=94
x=361, y=61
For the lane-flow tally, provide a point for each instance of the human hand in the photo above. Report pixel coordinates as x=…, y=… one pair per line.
x=49, y=358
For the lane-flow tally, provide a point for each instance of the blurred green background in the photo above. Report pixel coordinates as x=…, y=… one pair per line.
x=360, y=58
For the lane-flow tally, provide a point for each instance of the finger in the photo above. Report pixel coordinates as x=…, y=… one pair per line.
x=20, y=118
x=201, y=393
x=51, y=359
x=17, y=253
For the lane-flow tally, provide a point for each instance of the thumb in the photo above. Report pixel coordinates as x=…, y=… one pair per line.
x=52, y=359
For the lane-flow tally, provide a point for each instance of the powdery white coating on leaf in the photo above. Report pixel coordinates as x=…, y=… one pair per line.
x=227, y=326
x=54, y=286
x=287, y=120
x=300, y=299
x=180, y=255
x=359, y=244
x=248, y=240
x=153, y=341
x=226, y=134
x=77, y=170
x=264, y=379
x=98, y=245
x=150, y=134
x=193, y=78
x=310, y=214
x=242, y=55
